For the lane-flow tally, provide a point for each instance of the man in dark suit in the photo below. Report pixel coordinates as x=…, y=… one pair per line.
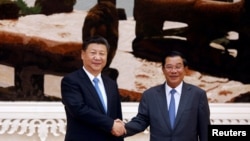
x=191, y=115
x=90, y=116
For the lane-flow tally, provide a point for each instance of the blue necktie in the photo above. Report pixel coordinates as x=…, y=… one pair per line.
x=96, y=80
x=172, y=108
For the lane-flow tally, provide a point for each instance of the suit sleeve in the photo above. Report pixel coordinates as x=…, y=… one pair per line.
x=141, y=121
x=204, y=117
x=78, y=109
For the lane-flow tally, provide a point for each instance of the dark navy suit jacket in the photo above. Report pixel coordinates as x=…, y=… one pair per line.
x=86, y=118
x=192, y=119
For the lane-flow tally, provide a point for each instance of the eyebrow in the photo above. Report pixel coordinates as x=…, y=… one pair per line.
x=175, y=64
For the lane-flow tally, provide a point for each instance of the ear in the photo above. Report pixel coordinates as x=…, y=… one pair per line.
x=82, y=54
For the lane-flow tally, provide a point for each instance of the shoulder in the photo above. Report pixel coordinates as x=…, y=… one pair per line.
x=189, y=86
x=155, y=89
x=107, y=79
x=74, y=75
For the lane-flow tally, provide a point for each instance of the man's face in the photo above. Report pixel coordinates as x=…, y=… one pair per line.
x=174, y=71
x=95, y=58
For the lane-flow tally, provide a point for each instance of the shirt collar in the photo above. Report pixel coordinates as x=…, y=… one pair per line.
x=178, y=88
x=91, y=77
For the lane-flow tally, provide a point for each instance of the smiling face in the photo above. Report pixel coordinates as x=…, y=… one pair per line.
x=174, y=70
x=94, y=58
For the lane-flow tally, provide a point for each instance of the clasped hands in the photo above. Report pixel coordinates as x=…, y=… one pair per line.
x=118, y=128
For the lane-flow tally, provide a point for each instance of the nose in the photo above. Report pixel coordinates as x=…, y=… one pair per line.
x=97, y=56
x=173, y=69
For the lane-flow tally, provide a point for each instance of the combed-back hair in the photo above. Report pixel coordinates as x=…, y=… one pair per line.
x=95, y=39
x=174, y=54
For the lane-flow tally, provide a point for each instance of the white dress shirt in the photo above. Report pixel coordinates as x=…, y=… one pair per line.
x=100, y=84
x=177, y=95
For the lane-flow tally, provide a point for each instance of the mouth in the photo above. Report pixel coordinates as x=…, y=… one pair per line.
x=173, y=77
x=97, y=64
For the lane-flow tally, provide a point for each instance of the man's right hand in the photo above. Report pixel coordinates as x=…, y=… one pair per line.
x=118, y=128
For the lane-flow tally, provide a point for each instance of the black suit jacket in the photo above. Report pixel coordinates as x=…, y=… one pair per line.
x=86, y=118
x=192, y=119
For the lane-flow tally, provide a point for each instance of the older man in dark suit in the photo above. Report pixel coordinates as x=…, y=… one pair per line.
x=92, y=101
x=190, y=114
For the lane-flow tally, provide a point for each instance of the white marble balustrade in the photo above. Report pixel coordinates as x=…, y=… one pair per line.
x=45, y=121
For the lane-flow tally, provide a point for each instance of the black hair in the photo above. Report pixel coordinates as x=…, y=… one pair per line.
x=95, y=39
x=174, y=54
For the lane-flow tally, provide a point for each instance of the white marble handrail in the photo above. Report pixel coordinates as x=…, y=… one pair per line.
x=45, y=121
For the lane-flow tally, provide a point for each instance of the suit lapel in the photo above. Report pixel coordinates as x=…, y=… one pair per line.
x=162, y=101
x=108, y=93
x=86, y=82
x=184, y=100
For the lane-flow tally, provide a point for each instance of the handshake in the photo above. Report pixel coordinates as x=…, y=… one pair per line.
x=118, y=128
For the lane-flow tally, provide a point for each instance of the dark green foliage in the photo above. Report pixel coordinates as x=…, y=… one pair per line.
x=25, y=10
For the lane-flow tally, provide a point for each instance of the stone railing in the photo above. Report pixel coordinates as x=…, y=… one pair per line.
x=45, y=121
